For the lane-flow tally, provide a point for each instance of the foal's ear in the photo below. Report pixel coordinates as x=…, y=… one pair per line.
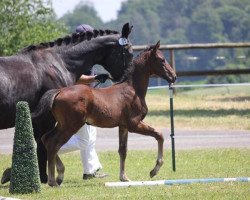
x=157, y=46
x=126, y=29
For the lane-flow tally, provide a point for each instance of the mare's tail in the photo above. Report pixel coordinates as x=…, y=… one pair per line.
x=45, y=104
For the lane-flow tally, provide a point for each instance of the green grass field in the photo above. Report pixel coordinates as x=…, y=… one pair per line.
x=218, y=163
x=209, y=108
x=212, y=108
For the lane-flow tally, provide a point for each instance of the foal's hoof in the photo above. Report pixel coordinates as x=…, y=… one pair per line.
x=152, y=173
x=124, y=179
x=59, y=181
x=53, y=184
x=157, y=167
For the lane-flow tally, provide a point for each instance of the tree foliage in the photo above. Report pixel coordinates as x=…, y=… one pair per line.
x=25, y=22
x=182, y=21
x=83, y=13
x=188, y=21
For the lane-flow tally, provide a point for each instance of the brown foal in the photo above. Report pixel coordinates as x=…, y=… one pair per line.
x=122, y=105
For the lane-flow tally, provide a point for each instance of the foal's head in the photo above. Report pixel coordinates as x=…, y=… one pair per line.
x=158, y=64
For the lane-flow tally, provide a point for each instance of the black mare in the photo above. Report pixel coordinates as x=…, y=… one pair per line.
x=27, y=75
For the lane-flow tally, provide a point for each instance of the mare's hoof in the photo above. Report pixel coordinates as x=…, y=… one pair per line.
x=44, y=179
x=6, y=176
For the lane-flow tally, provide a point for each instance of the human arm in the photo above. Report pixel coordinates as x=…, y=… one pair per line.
x=84, y=79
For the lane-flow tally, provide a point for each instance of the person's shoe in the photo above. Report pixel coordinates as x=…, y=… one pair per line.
x=94, y=175
x=6, y=176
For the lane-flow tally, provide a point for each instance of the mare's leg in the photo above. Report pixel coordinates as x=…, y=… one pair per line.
x=41, y=155
x=40, y=127
x=123, y=140
x=60, y=170
x=42, y=161
x=144, y=129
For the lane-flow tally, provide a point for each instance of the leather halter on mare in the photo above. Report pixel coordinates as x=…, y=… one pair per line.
x=123, y=42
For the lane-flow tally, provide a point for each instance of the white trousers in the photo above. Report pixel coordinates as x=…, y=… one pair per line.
x=84, y=140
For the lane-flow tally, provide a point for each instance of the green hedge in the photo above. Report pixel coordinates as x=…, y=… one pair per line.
x=24, y=170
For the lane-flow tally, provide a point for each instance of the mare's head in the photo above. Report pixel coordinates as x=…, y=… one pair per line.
x=158, y=64
x=80, y=51
x=119, y=54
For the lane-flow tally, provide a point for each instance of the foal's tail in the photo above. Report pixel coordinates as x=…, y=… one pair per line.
x=45, y=104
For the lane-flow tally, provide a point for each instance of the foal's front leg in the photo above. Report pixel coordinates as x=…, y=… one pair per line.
x=145, y=129
x=123, y=140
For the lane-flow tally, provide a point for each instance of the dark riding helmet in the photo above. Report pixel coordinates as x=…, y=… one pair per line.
x=84, y=28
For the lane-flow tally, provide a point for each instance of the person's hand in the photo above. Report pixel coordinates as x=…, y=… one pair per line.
x=101, y=77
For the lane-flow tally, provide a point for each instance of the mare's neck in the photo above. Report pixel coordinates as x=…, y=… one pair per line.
x=81, y=57
x=141, y=74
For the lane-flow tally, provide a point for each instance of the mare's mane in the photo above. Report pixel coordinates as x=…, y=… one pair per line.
x=74, y=38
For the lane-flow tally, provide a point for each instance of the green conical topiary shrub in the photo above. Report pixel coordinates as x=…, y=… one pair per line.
x=24, y=171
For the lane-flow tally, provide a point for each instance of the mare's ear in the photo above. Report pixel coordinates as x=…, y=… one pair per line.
x=157, y=46
x=126, y=29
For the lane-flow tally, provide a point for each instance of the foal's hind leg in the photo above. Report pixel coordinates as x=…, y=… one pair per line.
x=60, y=170
x=50, y=144
x=144, y=129
x=53, y=141
x=123, y=140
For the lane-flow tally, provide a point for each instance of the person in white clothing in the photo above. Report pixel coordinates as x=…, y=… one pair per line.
x=84, y=140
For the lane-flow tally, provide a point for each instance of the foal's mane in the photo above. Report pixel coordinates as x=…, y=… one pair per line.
x=129, y=71
x=74, y=38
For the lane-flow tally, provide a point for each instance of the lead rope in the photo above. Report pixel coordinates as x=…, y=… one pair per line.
x=96, y=84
